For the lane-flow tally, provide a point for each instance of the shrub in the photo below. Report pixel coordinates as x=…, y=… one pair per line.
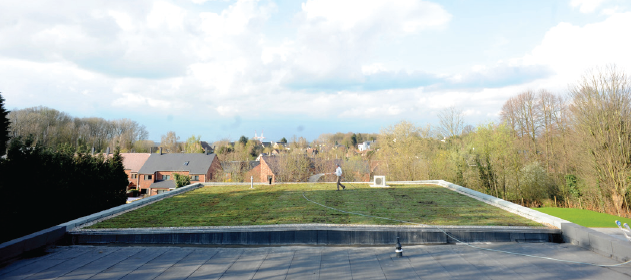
x=535, y=183
x=181, y=180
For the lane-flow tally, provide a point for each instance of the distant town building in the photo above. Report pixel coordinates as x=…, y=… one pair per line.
x=364, y=146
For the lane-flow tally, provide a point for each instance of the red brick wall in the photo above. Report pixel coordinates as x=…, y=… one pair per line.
x=213, y=171
x=159, y=174
x=265, y=171
x=144, y=184
x=256, y=173
x=133, y=182
x=202, y=178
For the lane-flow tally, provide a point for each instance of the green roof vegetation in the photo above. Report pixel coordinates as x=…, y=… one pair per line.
x=583, y=217
x=284, y=204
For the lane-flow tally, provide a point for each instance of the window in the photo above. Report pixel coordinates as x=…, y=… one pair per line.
x=166, y=177
x=148, y=177
x=194, y=177
x=186, y=162
x=134, y=176
x=162, y=191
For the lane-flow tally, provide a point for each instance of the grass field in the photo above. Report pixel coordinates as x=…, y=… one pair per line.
x=284, y=204
x=584, y=218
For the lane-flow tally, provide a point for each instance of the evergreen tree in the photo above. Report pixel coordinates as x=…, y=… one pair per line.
x=72, y=186
x=4, y=127
x=243, y=141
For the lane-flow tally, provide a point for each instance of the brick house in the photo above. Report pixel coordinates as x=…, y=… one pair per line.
x=132, y=162
x=269, y=169
x=156, y=175
x=240, y=171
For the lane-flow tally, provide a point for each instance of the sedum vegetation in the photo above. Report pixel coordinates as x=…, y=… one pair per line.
x=284, y=204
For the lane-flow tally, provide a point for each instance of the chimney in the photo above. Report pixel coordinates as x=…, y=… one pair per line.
x=160, y=150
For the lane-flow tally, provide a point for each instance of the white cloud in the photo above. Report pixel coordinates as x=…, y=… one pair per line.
x=336, y=38
x=405, y=16
x=586, y=6
x=166, y=15
x=373, y=68
x=571, y=49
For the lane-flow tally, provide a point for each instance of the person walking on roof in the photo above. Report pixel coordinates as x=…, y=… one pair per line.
x=338, y=172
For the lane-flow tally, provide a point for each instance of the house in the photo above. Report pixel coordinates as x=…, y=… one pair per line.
x=261, y=155
x=266, y=144
x=156, y=175
x=312, y=151
x=280, y=145
x=238, y=171
x=132, y=162
x=272, y=166
x=269, y=169
x=254, y=173
x=364, y=146
x=206, y=147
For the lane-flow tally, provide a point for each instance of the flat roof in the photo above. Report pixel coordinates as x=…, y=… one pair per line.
x=303, y=262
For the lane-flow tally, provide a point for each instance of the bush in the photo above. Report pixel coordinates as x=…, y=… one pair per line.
x=181, y=180
x=535, y=183
x=67, y=186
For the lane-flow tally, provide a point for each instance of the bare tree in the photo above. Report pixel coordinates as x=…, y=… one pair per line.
x=602, y=115
x=451, y=122
x=522, y=113
x=169, y=141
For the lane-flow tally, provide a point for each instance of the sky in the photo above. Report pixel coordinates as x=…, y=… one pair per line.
x=222, y=69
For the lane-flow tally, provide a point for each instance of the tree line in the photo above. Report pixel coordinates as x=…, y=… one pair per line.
x=52, y=128
x=547, y=149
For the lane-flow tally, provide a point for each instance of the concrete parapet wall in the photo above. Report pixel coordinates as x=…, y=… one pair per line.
x=596, y=241
x=572, y=233
x=497, y=202
x=33, y=241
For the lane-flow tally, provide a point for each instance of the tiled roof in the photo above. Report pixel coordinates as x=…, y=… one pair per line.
x=134, y=161
x=166, y=184
x=205, y=145
x=193, y=163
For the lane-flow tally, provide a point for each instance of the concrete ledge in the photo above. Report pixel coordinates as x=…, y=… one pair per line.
x=314, y=235
x=596, y=241
x=587, y=238
x=497, y=202
x=33, y=241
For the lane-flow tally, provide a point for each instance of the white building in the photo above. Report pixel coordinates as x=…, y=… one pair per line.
x=364, y=146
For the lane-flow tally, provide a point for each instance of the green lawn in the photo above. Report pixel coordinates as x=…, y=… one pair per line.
x=584, y=218
x=284, y=204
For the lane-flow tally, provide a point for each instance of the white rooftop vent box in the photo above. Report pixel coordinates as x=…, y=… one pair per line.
x=380, y=182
